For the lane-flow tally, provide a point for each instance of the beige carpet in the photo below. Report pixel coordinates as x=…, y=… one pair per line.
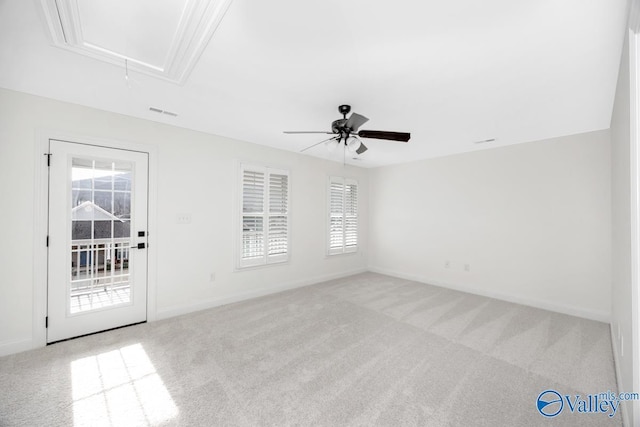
x=364, y=350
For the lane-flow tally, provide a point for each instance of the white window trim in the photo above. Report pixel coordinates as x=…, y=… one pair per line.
x=265, y=260
x=344, y=249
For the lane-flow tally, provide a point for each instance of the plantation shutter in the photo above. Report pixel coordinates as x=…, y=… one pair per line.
x=278, y=239
x=253, y=194
x=336, y=215
x=350, y=216
x=343, y=215
x=265, y=232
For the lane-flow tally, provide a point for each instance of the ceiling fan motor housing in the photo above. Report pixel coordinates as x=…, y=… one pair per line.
x=339, y=126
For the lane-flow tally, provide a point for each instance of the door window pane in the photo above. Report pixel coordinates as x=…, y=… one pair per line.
x=121, y=229
x=122, y=205
x=104, y=200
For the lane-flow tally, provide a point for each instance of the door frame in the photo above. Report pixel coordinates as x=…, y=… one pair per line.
x=41, y=219
x=633, y=34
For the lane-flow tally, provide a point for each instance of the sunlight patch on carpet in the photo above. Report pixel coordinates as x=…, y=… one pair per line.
x=119, y=387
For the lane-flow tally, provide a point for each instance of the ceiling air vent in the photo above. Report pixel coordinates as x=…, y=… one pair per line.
x=161, y=111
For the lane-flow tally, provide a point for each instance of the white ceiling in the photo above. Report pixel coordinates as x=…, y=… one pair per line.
x=451, y=73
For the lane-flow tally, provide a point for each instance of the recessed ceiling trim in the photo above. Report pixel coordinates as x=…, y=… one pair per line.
x=53, y=21
x=133, y=64
x=196, y=26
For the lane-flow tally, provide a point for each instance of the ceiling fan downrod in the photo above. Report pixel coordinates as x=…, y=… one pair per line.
x=340, y=126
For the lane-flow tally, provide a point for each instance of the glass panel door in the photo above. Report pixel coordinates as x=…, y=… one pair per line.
x=97, y=228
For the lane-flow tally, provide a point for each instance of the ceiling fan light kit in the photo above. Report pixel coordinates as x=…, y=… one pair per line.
x=346, y=131
x=353, y=144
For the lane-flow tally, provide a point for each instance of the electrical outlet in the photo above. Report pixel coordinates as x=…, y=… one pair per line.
x=467, y=267
x=183, y=218
x=447, y=264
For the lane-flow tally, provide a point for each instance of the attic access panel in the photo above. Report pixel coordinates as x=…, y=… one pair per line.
x=160, y=38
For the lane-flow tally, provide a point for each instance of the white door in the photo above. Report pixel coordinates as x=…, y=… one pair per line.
x=97, y=270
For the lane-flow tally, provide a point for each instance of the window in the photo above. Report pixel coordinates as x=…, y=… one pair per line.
x=343, y=215
x=264, y=216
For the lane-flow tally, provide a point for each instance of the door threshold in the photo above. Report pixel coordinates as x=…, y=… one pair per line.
x=98, y=332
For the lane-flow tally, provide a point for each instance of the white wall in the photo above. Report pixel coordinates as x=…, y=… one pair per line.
x=621, y=318
x=197, y=174
x=532, y=221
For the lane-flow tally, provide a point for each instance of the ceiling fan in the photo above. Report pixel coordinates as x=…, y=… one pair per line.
x=346, y=131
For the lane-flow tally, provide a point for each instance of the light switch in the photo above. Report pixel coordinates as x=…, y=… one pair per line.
x=183, y=218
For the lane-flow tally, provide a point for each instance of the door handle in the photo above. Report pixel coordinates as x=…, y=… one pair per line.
x=139, y=246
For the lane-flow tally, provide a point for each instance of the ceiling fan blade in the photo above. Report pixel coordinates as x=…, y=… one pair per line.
x=362, y=148
x=318, y=143
x=306, y=131
x=355, y=121
x=381, y=134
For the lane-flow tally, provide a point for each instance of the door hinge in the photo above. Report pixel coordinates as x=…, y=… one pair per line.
x=48, y=158
x=47, y=241
x=46, y=322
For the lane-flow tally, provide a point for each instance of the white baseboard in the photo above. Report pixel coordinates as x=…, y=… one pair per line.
x=16, y=346
x=599, y=316
x=178, y=310
x=616, y=364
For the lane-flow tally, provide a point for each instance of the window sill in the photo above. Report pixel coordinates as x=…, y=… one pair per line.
x=260, y=266
x=341, y=254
